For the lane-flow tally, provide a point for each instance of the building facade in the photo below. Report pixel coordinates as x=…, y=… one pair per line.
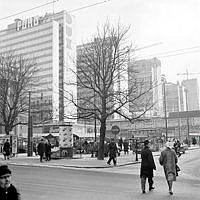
x=49, y=39
x=175, y=97
x=192, y=90
x=148, y=74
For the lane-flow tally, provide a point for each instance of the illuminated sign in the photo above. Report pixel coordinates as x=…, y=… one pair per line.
x=27, y=23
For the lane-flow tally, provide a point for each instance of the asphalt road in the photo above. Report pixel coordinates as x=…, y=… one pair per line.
x=40, y=183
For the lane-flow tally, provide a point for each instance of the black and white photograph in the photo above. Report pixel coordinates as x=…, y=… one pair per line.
x=99, y=99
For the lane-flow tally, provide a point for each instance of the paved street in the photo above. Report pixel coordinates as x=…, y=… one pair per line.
x=52, y=183
x=42, y=182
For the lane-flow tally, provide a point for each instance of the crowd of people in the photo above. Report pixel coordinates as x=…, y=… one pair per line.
x=168, y=159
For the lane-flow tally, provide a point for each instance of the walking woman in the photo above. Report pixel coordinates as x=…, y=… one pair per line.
x=112, y=149
x=168, y=160
x=147, y=167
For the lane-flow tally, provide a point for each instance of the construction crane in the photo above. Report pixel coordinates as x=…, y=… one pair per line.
x=187, y=73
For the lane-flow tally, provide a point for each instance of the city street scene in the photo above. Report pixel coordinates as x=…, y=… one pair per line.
x=99, y=100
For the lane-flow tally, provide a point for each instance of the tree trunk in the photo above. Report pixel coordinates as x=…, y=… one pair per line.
x=102, y=139
x=7, y=130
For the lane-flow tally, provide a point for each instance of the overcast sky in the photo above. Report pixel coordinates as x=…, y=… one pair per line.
x=172, y=24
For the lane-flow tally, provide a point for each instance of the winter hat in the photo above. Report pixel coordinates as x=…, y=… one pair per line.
x=4, y=170
x=146, y=142
x=169, y=144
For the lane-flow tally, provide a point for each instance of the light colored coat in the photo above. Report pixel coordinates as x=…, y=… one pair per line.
x=168, y=160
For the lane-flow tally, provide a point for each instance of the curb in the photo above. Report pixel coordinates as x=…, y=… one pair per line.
x=80, y=167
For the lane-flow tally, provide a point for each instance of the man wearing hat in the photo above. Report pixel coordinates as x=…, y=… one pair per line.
x=147, y=167
x=168, y=159
x=7, y=190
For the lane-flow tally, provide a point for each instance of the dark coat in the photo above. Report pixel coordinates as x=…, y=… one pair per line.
x=12, y=193
x=147, y=164
x=48, y=148
x=125, y=146
x=112, y=149
x=6, y=148
x=41, y=148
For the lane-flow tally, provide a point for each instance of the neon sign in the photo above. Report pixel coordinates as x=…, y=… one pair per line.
x=27, y=23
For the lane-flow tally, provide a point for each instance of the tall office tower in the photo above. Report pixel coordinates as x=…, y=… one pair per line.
x=192, y=91
x=148, y=73
x=175, y=97
x=50, y=40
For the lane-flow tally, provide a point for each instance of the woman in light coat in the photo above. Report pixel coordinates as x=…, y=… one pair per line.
x=168, y=160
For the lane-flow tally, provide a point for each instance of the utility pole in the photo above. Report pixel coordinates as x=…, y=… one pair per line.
x=188, y=124
x=178, y=107
x=165, y=110
x=30, y=128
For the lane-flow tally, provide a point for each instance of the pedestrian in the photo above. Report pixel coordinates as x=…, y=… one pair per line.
x=125, y=147
x=41, y=149
x=112, y=152
x=7, y=190
x=120, y=143
x=147, y=167
x=177, y=146
x=168, y=159
x=6, y=150
x=48, y=150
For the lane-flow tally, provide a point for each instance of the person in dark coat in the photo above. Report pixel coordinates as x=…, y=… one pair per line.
x=147, y=167
x=6, y=149
x=168, y=159
x=7, y=190
x=41, y=149
x=48, y=150
x=125, y=147
x=120, y=143
x=112, y=152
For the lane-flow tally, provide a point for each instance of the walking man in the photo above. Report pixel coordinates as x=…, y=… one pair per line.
x=112, y=151
x=168, y=160
x=41, y=149
x=48, y=150
x=6, y=149
x=147, y=167
x=7, y=190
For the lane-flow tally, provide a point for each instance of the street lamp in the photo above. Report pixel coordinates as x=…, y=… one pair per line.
x=165, y=109
x=30, y=128
x=188, y=124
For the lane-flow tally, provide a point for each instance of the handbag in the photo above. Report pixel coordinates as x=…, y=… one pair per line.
x=177, y=169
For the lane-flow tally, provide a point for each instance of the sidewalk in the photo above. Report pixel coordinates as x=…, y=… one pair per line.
x=84, y=161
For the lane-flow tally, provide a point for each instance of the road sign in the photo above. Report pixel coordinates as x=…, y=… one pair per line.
x=115, y=129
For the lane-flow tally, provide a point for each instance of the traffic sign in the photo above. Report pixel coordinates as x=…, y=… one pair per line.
x=115, y=129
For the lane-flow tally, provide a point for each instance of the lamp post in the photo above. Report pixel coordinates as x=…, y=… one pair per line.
x=165, y=110
x=188, y=124
x=30, y=128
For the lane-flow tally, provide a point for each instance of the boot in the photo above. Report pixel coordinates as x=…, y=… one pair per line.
x=143, y=183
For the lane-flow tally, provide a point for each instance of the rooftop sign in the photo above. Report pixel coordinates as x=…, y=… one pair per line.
x=27, y=23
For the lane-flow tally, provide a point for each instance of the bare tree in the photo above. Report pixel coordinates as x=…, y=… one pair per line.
x=104, y=87
x=16, y=72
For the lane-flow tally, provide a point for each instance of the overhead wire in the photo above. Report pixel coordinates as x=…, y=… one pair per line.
x=160, y=55
x=52, y=2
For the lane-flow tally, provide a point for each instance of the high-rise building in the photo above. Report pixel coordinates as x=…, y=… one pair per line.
x=148, y=74
x=50, y=40
x=192, y=91
x=175, y=97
